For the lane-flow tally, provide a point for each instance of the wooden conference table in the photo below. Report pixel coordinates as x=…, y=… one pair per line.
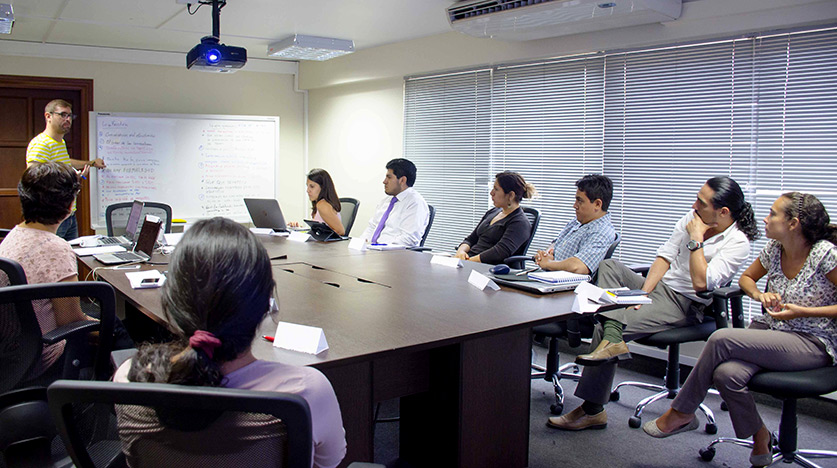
x=398, y=326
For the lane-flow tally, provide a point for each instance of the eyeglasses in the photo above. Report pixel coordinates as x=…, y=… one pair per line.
x=65, y=115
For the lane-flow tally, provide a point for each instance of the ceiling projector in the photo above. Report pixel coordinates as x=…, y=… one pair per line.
x=212, y=56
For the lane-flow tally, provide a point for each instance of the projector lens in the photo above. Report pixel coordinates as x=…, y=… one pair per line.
x=213, y=56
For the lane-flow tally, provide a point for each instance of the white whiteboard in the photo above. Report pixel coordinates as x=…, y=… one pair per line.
x=200, y=165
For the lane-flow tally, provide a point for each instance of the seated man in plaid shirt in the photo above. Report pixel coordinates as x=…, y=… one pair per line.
x=584, y=241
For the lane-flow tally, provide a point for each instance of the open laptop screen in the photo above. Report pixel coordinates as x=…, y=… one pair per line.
x=134, y=219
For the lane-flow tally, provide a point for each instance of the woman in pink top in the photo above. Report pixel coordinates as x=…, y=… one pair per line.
x=325, y=204
x=47, y=192
x=218, y=292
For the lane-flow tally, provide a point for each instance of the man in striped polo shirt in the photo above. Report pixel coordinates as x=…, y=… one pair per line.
x=50, y=146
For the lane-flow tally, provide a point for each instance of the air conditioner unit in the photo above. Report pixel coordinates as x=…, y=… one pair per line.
x=524, y=20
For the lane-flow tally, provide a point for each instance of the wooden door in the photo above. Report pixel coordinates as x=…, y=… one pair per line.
x=22, y=102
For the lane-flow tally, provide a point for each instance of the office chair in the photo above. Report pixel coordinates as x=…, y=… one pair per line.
x=3, y=233
x=787, y=387
x=715, y=317
x=26, y=429
x=348, y=212
x=573, y=330
x=120, y=211
x=429, y=224
x=183, y=426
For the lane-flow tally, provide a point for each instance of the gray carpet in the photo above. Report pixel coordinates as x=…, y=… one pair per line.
x=621, y=446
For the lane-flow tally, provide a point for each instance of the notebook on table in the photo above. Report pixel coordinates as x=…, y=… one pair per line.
x=525, y=282
x=143, y=247
x=130, y=228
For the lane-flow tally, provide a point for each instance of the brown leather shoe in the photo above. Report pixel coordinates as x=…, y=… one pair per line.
x=605, y=352
x=578, y=420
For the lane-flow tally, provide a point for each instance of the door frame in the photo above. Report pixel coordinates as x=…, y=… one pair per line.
x=85, y=89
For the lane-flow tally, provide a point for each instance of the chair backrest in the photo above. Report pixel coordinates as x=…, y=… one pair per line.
x=23, y=343
x=116, y=216
x=429, y=223
x=3, y=233
x=348, y=212
x=534, y=217
x=169, y=425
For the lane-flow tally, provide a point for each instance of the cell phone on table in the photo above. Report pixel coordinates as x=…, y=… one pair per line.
x=150, y=282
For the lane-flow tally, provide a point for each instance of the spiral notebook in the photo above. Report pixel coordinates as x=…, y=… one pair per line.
x=559, y=277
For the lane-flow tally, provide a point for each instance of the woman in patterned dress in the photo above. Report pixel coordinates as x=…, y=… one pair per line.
x=797, y=332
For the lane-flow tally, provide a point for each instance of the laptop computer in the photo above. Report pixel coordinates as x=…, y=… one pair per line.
x=130, y=228
x=143, y=247
x=527, y=284
x=265, y=213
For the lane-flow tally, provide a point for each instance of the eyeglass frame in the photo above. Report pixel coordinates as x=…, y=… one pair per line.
x=64, y=115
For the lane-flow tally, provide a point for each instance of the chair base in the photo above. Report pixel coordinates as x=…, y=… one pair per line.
x=662, y=393
x=799, y=457
x=563, y=372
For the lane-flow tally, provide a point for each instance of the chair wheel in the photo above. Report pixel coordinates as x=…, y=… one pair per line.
x=711, y=428
x=707, y=454
x=614, y=396
x=724, y=406
x=556, y=409
x=634, y=422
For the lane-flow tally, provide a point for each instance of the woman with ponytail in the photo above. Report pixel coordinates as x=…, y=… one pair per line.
x=797, y=332
x=504, y=228
x=217, y=293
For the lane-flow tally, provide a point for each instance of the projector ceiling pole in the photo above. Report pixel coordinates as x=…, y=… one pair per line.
x=216, y=18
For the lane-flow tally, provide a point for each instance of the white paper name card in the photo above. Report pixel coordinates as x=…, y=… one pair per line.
x=357, y=243
x=297, y=236
x=302, y=338
x=480, y=281
x=452, y=262
x=262, y=231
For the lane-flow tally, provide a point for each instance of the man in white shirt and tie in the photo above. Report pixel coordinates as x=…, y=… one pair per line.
x=403, y=215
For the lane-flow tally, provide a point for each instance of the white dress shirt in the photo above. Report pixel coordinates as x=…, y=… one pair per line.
x=724, y=252
x=406, y=222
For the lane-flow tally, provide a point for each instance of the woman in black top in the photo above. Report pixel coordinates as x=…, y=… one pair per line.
x=503, y=229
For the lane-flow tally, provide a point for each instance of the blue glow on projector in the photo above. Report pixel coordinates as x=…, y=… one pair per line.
x=213, y=56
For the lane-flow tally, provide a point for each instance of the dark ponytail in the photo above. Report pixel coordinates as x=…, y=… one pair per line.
x=729, y=194
x=220, y=282
x=814, y=220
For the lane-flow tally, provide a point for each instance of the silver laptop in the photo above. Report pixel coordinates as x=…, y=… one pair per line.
x=143, y=247
x=265, y=213
x=130, y=228
x=526, y=284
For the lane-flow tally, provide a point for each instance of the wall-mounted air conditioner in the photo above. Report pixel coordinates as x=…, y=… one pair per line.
x=523, y=20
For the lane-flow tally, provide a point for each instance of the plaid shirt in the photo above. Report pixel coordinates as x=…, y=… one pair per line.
x=587, y=242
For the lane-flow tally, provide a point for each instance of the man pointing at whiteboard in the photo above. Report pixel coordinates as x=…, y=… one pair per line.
x=50, y=146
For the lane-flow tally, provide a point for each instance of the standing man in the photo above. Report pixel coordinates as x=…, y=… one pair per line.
x=584, y=241
x=50, y=146
x=403, y=215
x=705, y=250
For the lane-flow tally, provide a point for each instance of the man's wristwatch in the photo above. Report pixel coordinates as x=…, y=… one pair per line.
x=694, y=245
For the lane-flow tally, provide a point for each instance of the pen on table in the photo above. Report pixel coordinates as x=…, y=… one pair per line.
x=127, y=267
x=267, y=338
x=526, y=271
x=376, y=243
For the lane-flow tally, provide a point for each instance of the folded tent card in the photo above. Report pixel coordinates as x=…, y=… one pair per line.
x=589, y=298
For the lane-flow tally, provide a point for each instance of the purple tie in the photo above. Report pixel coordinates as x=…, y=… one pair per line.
x=383, y=220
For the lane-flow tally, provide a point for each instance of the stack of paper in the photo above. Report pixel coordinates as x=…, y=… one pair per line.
x=589, y=298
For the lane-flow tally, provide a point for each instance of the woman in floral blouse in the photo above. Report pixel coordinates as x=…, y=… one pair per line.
x=798, y=331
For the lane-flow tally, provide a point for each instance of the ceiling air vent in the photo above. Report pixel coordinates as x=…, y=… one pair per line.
x=524, y=20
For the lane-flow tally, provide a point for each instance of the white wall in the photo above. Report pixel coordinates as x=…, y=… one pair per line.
x=120, y=87
x=356, y=101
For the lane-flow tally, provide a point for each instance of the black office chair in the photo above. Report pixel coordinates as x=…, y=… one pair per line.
x=119, y=211
x=348, y=213
x=429, y=224
x=26, y=430
x=534, y=217
x=573, y=330
x=715, y=317
x=3, y=233
x=788, y=387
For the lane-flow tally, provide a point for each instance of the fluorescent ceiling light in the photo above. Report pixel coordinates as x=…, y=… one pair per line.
x=299, y=47
x=7, y=18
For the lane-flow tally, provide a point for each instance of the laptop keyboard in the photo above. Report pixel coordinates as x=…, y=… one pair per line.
x=109, y=240
x=128, y=256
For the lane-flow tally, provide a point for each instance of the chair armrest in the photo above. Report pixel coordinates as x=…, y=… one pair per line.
x=735, y=296
x=641, y=268
x=573, y=333
x=22, y=395
x=69, y=330
x=728, y=292
x=419, y=249
x=518, y=258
